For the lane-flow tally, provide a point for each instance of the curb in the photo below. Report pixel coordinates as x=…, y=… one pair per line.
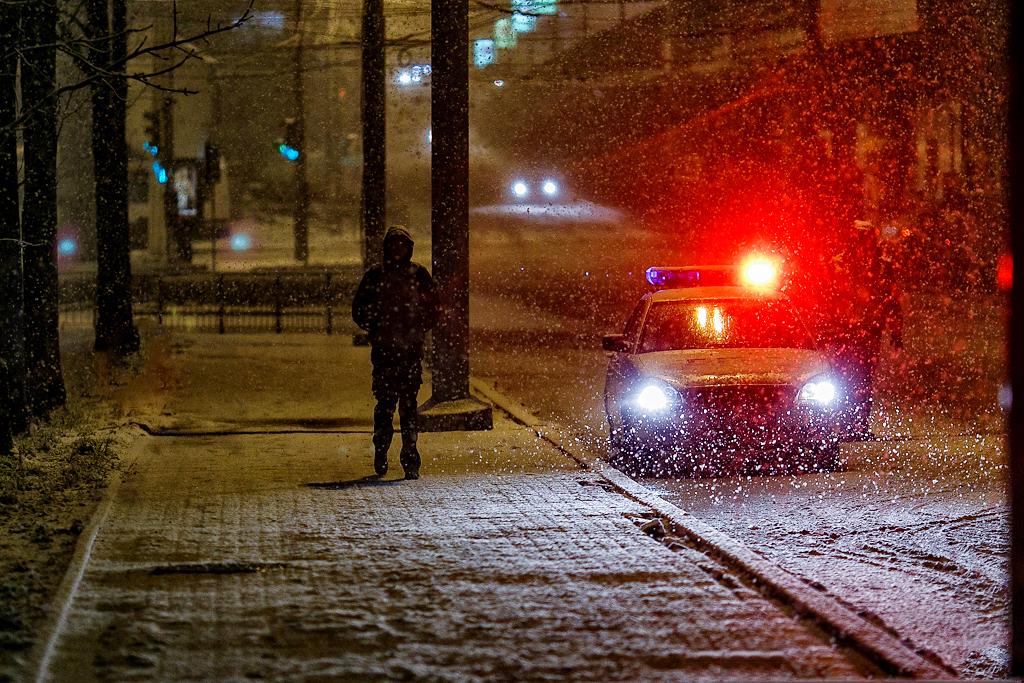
x=37, y=668
x=845, y=626
x=550, y=432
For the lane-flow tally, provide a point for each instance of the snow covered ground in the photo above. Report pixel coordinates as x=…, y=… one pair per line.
x=276, y=556
x=922, y=550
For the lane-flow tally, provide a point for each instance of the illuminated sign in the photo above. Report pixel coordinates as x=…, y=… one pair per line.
x=523, y=23
x=160, y=172
x=417, y=73
x=483, y=52
x=504, y=36
x=534, y=6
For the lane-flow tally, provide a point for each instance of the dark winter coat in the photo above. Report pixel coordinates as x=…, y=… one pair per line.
x=396, y=302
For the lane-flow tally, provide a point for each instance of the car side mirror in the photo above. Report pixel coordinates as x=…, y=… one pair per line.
x=615, y=343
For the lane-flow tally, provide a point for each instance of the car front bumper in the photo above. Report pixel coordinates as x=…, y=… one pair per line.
x=746, y=426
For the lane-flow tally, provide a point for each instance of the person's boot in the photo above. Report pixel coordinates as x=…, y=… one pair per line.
x=382, y=435
x=380, y=461
x=410, y=458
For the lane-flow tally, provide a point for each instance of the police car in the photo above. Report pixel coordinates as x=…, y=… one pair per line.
x=713, y=361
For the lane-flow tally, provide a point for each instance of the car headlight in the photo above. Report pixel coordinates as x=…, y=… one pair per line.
x=819, y=391
x=656, y=397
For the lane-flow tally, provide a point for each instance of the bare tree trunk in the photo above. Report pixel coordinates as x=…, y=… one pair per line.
x=115, y=329
x=6, y=429
x=12, y=361
x=44, y=381
x=374, y=80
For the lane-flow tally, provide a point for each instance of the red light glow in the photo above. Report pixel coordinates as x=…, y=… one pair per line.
x=1004, y=272
x=759, y=272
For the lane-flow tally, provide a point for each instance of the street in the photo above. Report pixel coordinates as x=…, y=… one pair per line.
x=913, y=533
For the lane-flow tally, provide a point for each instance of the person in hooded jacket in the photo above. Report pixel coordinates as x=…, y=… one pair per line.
x=397, y=304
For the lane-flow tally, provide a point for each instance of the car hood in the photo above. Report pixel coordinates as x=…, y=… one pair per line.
x=733, y=367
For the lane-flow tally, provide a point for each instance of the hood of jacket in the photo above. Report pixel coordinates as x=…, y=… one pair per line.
x=396, y=232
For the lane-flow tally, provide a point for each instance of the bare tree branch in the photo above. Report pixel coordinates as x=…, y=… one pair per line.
x=94, y=72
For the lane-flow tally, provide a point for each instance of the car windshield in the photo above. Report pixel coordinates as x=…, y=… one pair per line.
x=742, y=324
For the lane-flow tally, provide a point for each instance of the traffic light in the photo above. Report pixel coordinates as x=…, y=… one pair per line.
x=153, y=129
x=211, y=168
x=292, y=144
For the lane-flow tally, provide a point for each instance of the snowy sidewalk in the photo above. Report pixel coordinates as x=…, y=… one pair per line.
x=274, y=556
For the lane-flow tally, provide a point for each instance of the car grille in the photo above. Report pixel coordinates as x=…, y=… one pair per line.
x=753, y=404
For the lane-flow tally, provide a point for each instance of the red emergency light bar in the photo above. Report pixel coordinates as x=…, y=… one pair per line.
x=755, y=272
x=692, y=276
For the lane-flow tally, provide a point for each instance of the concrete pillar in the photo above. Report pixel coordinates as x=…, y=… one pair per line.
x=451, y=407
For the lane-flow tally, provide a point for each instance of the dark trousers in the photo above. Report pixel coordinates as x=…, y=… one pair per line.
x=397, y=375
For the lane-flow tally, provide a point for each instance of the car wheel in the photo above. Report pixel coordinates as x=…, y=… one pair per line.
x=626, y=463
x=635, y=456
x=683, y=463
x=826, y=457
x=614, y=434
x=816, y=457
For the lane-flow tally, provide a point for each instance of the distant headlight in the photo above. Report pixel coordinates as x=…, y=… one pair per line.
x=819, y=391
x=656, y=397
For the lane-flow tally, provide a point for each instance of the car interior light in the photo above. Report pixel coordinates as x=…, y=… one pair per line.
x=718, y=321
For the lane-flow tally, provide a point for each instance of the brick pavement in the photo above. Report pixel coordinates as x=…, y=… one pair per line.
x=269, y=556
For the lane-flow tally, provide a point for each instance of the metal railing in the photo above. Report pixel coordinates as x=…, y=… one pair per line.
x=236, y=302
